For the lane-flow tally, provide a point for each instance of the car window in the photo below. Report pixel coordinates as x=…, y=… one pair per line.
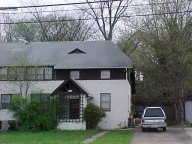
x=153, y=112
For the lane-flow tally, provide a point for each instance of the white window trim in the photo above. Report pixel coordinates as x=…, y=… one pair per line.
x=101, y=102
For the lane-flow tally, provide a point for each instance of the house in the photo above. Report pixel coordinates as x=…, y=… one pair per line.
x=76, y=72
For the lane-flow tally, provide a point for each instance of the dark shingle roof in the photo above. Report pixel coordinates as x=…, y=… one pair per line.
x=98, y=54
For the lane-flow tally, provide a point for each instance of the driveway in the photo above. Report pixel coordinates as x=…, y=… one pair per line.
x=171, y=136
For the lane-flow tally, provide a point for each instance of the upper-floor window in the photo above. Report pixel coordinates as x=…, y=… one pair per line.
x=105, y=74
x=39, y=73
x=26, y=73
x=20, y=73
x=74, y=74
x=11, y=73
x=5, y=99
x=48, y=73
x=31, y=73
x=105, y=101
x=3, y=73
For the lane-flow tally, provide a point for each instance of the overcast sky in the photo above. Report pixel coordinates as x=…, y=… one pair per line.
x=4, y=3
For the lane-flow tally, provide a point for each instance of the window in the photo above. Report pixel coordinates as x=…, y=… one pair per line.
x=20, y=73
x=39, y=73
x=48, y=73
x=3, y=73
x=5, y=99
x=11, y=73
x=105, y=101
x=31, y=73
x=74, y=74
x=74, y=108
x=105, y=74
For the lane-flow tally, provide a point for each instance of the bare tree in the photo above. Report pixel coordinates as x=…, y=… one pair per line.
x=107, y=14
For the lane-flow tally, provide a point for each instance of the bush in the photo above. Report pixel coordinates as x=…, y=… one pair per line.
x=35, y=115
x=93, y=115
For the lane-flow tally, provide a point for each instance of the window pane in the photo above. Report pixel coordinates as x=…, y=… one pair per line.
x=105, y=99
x=74, y=74
x=40, y=73
x=105, y=106
x=20, y=73
x=31, y=73
x=3, y=73
x=48, y=73
x=105, y=74
x=11, y=73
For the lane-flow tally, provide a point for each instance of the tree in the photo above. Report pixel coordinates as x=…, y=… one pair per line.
x=165, y=40
x=106, y=15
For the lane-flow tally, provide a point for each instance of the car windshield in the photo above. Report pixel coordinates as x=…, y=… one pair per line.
x=153, y=112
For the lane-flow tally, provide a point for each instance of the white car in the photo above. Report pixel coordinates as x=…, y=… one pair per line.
x=153, y=117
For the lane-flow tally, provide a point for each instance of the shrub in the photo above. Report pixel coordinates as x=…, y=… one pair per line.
x=93, y=115
x=35, y=115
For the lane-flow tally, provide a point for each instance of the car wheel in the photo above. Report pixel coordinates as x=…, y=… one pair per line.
x=164, y=129
x=143, y=129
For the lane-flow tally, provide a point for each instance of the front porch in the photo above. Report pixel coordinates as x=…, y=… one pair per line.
x=73, y=99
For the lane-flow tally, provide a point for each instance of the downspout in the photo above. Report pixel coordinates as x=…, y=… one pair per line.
x=126, y=73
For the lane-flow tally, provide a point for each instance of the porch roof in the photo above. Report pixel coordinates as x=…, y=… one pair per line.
x=13, y=87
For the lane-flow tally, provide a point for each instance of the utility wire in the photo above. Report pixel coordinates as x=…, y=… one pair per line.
x=30, y=12
x=86, y=19
x=53, y=5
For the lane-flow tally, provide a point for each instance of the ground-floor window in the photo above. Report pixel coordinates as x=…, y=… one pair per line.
x=5, y=99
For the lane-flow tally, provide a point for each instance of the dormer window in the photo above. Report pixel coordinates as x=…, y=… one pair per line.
x=77, y=51
x=74, y=74
x=105, y=74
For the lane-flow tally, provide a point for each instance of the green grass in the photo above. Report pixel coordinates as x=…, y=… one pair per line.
x=47, y=137
x=115, y=137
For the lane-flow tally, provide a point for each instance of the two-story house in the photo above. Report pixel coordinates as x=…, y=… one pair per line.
x=76, y=72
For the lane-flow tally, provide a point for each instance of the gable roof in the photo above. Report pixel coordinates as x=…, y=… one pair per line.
x=98, y=54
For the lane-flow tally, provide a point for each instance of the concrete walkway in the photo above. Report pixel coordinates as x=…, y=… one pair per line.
x=188, y=131
x=93, y=138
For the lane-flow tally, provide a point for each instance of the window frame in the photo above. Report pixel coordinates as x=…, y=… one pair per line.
x=109, y=102
x=105, y=74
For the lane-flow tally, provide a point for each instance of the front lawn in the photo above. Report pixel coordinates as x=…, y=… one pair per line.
x=115, y=137
x=47, y=137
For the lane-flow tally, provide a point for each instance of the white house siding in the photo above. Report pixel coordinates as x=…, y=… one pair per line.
x=7, y=87
x=120, y=100
x=188, y=111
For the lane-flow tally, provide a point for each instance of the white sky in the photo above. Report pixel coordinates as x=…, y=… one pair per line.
x=4, y=3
